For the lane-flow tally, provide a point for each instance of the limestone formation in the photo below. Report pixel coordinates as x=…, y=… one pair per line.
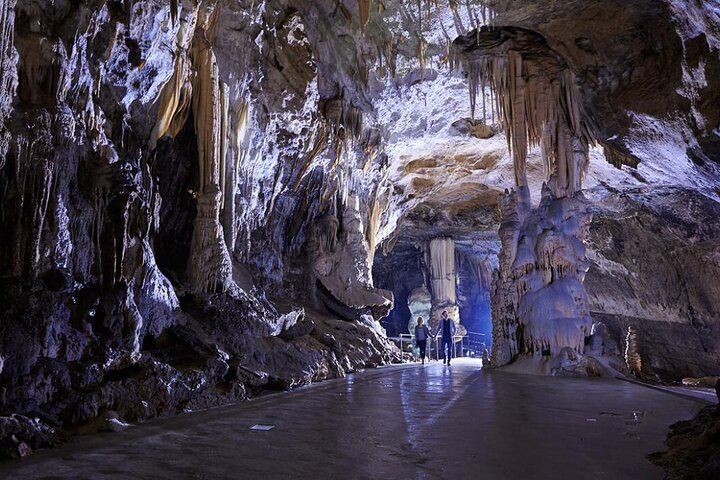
x=420, y=304
x=226, y=197
x=341, y=264
x=539, y=303
x=440, y=258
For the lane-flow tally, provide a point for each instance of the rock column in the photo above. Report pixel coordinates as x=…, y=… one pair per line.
x=209, y=266
x=440, y=259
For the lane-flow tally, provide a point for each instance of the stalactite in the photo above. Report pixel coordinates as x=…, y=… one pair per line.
x=378, y=206
x=224, y=110
x=174, y=102
x=174, y=10
x=343, y=264
x=539, y=302
x=364, y=10
x=176, y=96
x=481, y=271
x=238, y=152
x=441, y=261
x=8, y=57
x=537, y=101
x=617, y=157
x=8, y=72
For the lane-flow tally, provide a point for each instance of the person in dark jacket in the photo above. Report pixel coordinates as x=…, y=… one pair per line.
x=446, y=326
x=421, y=335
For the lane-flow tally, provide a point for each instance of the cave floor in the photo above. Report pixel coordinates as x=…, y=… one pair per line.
x=401, y=422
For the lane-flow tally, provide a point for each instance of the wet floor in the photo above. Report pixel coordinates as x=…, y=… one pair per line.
x=423, y=422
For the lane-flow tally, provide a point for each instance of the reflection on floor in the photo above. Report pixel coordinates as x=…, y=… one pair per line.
x=411, y=421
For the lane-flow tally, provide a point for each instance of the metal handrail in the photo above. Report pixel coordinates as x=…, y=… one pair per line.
x=458, y=340
x=471, y=344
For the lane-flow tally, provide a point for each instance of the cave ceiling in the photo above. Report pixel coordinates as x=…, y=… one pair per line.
x=391, y=93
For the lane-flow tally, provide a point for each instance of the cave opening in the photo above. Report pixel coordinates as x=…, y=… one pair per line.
x=407, y=271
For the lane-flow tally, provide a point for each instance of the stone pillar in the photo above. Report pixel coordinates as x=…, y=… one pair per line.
x=209, y=266
x=440, y=260
x=539, y=301
x=342, y=263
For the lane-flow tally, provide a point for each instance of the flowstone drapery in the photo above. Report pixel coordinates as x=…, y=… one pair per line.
x=195, y=86
x=539, y=302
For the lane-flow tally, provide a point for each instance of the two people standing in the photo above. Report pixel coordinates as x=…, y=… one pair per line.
x=446, y=326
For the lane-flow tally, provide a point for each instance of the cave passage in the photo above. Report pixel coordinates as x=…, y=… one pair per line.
x=204, y=202
x=395, y=422
x=404, y=271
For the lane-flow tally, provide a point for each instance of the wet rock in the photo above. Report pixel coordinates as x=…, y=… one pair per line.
x=703, y=382
x=572, y=364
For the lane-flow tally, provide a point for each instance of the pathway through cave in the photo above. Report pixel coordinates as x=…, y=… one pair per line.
x=405, y=271
x=394, y=422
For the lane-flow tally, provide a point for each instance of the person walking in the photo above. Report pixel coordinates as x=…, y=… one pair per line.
x=421, y=335
x=447, y=327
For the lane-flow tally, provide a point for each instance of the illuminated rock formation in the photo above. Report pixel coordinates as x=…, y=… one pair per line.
x=420, y=305
x=341, y=263
x=193, y=193
x=440, y=259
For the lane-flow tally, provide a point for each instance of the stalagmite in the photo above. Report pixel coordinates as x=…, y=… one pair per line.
x=539, y=301
x=343, y=265
x=632, y=356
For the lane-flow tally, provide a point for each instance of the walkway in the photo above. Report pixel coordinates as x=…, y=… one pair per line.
x=431, y=422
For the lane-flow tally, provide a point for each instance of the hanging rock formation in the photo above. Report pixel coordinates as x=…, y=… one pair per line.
x=440, y=259
x=207, y=194
x=342, y=265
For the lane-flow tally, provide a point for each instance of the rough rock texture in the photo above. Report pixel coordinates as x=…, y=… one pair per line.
x=653, y=255
x=206, y=195
x=693, y=448
x=539, y=303
x=136, y=150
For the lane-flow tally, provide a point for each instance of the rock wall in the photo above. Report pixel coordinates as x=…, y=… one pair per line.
x=165, y=167
x=142, y=160
x=654, y=259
